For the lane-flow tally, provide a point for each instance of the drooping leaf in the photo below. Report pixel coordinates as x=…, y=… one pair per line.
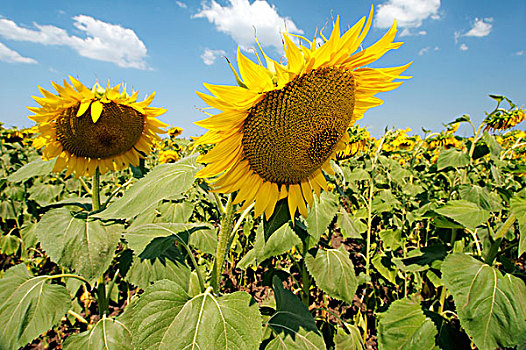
x=78, y=242
x=391, y=239
x=204, y=240
x=348, y=341
x=321, y=215
x=464, y=212
x=175, y=212
x=205, y=321
x=107, y=334
x=29, y=306
x=44, y=194
x=37, y=167
x=481, y=197
x=491, y=307
x=350, y=226
x=280, y=217
x=404, y=326
x=280, y=242
x=164, y=181
x=333, y=272
x=518, y=207
x=292, y=322
x=9, y=244
x=142, y=273
x=452, y=158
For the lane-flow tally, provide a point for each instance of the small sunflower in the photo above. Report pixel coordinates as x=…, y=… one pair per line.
x=445, y=140
x=13, y=136
x=283, y=124
x=358, y=139
x=86, y=129
x=503, y=120
x=168, y=156
x=175, y=131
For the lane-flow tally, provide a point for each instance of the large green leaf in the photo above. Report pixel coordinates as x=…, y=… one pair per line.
x=108, y=334
x=466, y=213
x=139, y=237
x=29, y=306
x=78, y=242
x=35, y=168
x=350, y=226
x=518, y=208
x=491, y=307
x=292, y=323
x=164, y=181
x=279, y=217
x=175, y=212
x=404, y=326
x=44, y=194
x=320, y=215
x=142, y=273
x=280, y=242
x=452, y=158
x=333, y=272
x=481, y=197
x=165, y=317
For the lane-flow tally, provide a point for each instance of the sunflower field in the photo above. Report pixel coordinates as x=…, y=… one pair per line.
x=285, y=226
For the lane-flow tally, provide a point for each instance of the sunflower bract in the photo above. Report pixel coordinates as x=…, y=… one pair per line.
x=278, y=131
x=86, y=129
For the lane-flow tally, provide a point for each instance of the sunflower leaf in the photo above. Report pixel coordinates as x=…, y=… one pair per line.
x=164, y=181
x=29, y=306
x=491, y=307
x=107, y=334
x=280, y=217
x=35, y=168
x=78, y=241
x=518, y=207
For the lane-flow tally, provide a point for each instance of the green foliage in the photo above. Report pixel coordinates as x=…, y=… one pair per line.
x=107, y=334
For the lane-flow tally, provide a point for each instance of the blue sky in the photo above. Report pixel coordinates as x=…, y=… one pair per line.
x=462, y=51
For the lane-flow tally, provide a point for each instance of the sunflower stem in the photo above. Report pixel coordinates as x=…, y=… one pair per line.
x=95, y=190
x=305, y=278
x=101, y=297
x=222, y=244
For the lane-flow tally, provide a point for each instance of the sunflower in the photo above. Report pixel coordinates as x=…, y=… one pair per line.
x=98, y=128
x=168, y=156
x=503, y=120
x=283, y=124
x=358, y=139
x=175, y=131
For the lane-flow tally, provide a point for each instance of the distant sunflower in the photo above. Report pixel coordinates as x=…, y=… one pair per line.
x=175, y=131
x=168, y=156
x=284, y=123
x=503, y=120
x=85, y=129
x=358, y=139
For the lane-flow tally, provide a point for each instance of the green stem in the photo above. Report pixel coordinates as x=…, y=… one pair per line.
x=369, y=227
x=442, y=300
x=110, y=288
x=499, y=236
x=101, y=297
x=305, y=278
x=117, y=190
x=95, y=190
x=72, y=276
x=222, y=244
x=196, y=267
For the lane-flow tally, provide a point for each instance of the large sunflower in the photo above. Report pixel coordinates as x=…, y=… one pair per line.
x=284, y=123
x=89, y=128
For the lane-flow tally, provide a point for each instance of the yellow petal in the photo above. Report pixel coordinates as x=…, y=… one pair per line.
x=96, y=110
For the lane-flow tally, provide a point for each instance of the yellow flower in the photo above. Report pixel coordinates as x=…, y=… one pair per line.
x=502, y=120
x=13, y=136
x=98, y=128
x=452, y=128
x=175, y=131
x=358, y=139
x=168, y=156
x=283, y=124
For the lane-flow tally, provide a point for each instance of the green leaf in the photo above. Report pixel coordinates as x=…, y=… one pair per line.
x=139, y=237
x=452, y=158
x=204, y=240
x=166, y=318
x=348, y=341
x=481, y=197
x=29, y=306
x=280, y=242
x=518, y=208
x=164, y=181
x=292, y=322
x=491, y=307
x=493, y=145
x=391, y=239
x=35, y=168
x=333, y=272
x=320, y=215
x=404, y=326
x=108, y=334
x=280, y=217
x=463, y=118
x=9, y=244
x=465, y=213
x=382, y=264
x=78, y=242
x=44, y=194
x=175, y=212
x=350, y=226
x=144, y=272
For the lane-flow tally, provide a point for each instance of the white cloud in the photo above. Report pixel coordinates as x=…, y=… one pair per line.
x=481, y=27
x=209, y=56
x=520, y=53
x=241, y=17
x=11, y=56
x=104, y=41
x=408, y=14
x=424, y=50
x=463, y=47
x=181, y=4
